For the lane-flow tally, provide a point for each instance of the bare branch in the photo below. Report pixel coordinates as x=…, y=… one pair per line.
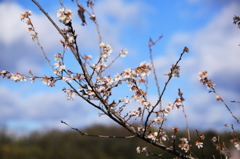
x=150, y=44
x=185, y=115
x=101, y=136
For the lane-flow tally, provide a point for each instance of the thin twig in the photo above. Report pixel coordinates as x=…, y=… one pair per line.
x=200, y=140
x=185, y=115
x=235, y=101
x=112, y=62
x=50, y=19
x=164, y=89
x=61, y=3
x=238, y=121
x=150, y=44
x=35, y=36
x=102, y=136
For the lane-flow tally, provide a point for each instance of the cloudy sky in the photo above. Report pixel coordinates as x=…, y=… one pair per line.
x=205, y=27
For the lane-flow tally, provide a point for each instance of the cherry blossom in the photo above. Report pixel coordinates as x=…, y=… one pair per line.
x=25, y=14
x=123, y=53
x=65, y=15
x=199, y=144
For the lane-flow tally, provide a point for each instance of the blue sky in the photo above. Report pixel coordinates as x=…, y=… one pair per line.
x=203, y=26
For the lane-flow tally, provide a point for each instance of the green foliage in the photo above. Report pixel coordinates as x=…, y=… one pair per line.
x=69, y=145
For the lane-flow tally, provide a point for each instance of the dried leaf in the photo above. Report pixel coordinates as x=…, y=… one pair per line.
x=81, y=14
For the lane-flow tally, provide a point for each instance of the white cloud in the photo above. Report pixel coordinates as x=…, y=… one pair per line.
x=16, y=42
x=45, y=109
x=24, y=54
x=14, y=33
x=113, y=17
x=216, y=45
x=213, y=48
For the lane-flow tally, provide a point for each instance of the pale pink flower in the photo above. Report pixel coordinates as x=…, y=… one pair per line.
x=90, y=92
x=123, y=53
x=144, y=102
x=65, y=15
x=183, y=140
x=30, y=29
x=134, y=113
x=93, y=17
x=218, y=97
x=144, y=149
x=58, y=64
x=18, y=77
x=153, y=136
x=138, y=149
x=25, y=14
x=70, y=94
x=175, y=129
x=184, y=144
x=118, y=77
x=102, y=44
x=163, y=135
x=102, y=65
x=32, y=79
x=62, y=67
x=126, y=100
x=108, y=80
x=70, y=38
x=57, y=56
x=236, y=144
x=199, y=144
x=69, y=79
x=44, y=79
x=57, y=72
x=141, y=128
x=202, y=74
x=96, y=67
x=87, y=57
x=126, y=73
x=214, y=139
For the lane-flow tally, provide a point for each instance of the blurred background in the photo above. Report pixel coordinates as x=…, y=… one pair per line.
x=205, y=27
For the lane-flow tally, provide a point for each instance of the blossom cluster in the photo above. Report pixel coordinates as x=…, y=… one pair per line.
x=171, y=106
x=140, y=71
x=203, y=78
x=49, y=81
x=123, y=53
x=136, y=112
x=174, y=72
x=156, y=135
x=13, y=76
x=65, y=15
x=106, y=50
x=139, y=149
x=70, y=37
x=184, y=145
x=26, y=15
x=18, y=77
x=236, y=20
x=237, y=145
x=59, y=66
x=69, y=93
x=105, y=84
x=130, y=75
x=199, y=144
x=157, y=120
